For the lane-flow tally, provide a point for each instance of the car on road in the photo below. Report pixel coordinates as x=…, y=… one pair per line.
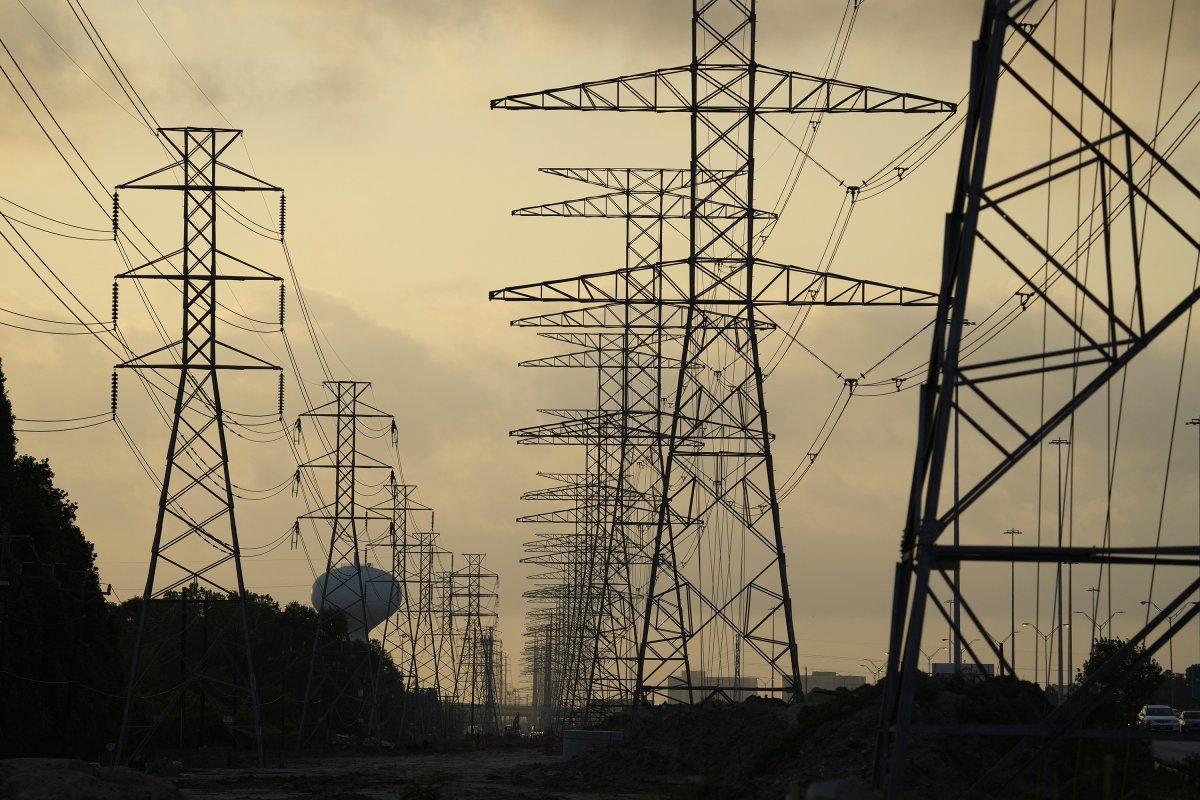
x=1158, y=718
x=1189, y=721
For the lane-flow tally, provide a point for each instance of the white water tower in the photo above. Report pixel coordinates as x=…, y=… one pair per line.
x=379, y=593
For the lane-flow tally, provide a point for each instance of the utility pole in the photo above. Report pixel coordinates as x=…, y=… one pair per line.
x=195, y=532
x=341, y=673
x=722, y=495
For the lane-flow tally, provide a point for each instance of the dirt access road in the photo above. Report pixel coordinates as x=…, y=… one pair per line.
x=470, y=775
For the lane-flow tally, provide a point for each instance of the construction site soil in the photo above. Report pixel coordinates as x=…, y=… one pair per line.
x=755, y=749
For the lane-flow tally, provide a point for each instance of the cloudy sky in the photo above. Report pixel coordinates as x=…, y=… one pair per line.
x=374, y=117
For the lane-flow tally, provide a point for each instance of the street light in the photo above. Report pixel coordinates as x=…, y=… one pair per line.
x=875, y=669
x=1012, y=534
x=1059, y=443
x=1046, y=646
x=1000, y=646
x=929, y=658
x=1100, y=627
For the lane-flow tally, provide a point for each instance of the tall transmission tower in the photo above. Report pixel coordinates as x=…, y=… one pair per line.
x=195, y=556
x=1003, y=226
x=618, y=495
x=342, y=669
x=472, y=596
x=400, y=630
x=705, y=635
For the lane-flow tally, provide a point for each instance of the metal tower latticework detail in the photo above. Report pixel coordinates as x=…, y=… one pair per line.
x=717, y=607
x=976, y=400
x=342, y=672
x=195, y=547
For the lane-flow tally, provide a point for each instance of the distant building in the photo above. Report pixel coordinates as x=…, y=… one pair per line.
x=830, y=681
x=702, y=684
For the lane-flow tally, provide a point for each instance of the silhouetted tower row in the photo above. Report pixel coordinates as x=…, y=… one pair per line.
x=342, y=666
x=618, y=496
x=400, y=632
x=726, y=614
x=472, y=612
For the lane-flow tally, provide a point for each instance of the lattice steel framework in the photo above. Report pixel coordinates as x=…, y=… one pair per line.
x=195, y=543
x=1111, y=313
x=719, y=498
x=338, y=669
x=401, y=631
x=604, y=582
x=472, y=603
x=597, y=584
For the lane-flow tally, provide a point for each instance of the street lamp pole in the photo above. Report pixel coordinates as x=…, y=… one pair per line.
x=1012, y=534
x=874, y=668
x=1000, y=647
x=1045, y=637
x=1101, y=625
x=929, y=659
x=1058, y=589
x=1095, y=592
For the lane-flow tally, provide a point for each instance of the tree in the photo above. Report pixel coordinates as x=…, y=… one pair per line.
x=59, y=666
x=1132, y=683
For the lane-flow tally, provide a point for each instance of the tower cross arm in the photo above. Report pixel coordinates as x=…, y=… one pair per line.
x=723, y=88
x=721, y=282
x=784, y=91
x=224, y=178
x=674, y=205
x=658, y=90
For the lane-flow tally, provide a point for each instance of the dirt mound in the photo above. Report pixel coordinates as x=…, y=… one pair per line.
x=59, y=778
x=759, y=748
x=723, y=747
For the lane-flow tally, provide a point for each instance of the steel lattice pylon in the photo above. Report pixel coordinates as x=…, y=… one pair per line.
x=471, y=595
x=999, y=224
x=339, y=669
x=401, y=631
x=618, y=496
x=718, y=493
x=195, y=522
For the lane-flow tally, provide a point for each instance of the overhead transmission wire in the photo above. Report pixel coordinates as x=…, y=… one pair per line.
x=891, y=167
x=117, y=73
x=151, y=123
x=125, y=433
x=910, y=158
x=1186, y=337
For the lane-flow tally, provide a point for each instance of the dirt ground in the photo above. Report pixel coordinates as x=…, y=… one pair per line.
x=470, y=775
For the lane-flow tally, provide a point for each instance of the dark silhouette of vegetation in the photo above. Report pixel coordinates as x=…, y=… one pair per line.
x=60, y=670
x=1130, y=686
x=64, y=650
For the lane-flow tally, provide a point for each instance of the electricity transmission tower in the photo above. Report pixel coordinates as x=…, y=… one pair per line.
x=400, y=629
x=617, y=497
x=342, y=669
x=472, y=595
x=195, y=557
x=1002, y=226
x=705, y=632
